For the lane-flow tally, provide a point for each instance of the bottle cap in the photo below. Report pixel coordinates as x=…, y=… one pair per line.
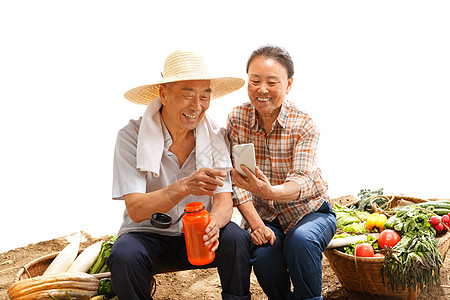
x=193, y=207
x=161, y=220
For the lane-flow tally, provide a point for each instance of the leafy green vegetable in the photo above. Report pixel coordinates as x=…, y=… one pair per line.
x=341, y=235
x=346, y=216
x=355, y=228
x=413, y=219
x=100, y=265
x=415, y=260
x=366, y=195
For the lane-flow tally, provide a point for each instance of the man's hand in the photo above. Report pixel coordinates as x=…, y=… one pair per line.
x=257, y=184
x=211, y=236
x=204, y=181
x=262, y=235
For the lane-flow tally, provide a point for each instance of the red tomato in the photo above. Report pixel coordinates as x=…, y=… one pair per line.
x=364, y=250
x=388, y=238
x=379, y=254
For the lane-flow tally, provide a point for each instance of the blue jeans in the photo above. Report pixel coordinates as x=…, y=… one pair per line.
x=295, y=256
x=137, y=256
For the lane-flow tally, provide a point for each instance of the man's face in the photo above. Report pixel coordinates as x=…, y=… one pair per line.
x=268, y=85
x=184, y=103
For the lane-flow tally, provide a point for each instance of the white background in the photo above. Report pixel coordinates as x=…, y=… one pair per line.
x=374, y=76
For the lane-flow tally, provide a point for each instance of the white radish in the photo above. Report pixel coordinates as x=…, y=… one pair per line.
x=65, y=258
x=86, y=258
x=345, y=241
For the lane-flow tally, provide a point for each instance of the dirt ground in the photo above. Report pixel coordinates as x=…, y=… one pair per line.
x=195, y=284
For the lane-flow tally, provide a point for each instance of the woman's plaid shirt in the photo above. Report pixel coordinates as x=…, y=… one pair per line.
x=287, y=153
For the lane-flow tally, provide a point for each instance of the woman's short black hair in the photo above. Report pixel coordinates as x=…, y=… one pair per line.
x=277, y=53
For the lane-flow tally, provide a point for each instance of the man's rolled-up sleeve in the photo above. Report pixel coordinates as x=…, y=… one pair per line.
x=126, y=177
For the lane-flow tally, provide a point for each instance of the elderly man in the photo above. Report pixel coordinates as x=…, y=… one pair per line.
x=172, y=156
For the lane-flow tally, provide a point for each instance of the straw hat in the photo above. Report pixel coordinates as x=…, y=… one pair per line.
x=180, y=66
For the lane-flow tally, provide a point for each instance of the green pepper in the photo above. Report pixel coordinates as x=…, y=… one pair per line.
x=391, y=222
x=105, y=288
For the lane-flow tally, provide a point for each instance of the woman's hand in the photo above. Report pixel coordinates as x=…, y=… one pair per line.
x=257, y=184
x=211, y=236
x=262, y=235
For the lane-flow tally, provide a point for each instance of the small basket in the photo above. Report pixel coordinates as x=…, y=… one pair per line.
x=38, y=266
x=363, y=275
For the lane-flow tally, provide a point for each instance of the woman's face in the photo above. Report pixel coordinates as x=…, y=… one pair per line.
x=268, y=85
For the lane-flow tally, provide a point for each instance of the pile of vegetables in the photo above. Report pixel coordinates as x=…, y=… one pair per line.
x=415, y=260
x=351, y=229
x=404, y=236
x=69, y=275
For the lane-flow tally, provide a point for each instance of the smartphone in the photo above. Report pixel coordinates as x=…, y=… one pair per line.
x=244, y=154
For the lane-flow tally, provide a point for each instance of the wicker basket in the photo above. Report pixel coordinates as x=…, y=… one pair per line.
x=38, y=266
x=362, y=275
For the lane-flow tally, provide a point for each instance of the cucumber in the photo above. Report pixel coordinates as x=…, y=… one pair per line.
x=436, y=204
x=441, y=211
x=441, y=207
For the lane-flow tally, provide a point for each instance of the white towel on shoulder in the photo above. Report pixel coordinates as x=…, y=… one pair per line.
x=211, y=149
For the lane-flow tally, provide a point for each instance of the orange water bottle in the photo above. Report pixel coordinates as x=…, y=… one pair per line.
x=195, y=220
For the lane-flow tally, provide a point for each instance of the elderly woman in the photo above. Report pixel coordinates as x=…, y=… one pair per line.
x=284, y=201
